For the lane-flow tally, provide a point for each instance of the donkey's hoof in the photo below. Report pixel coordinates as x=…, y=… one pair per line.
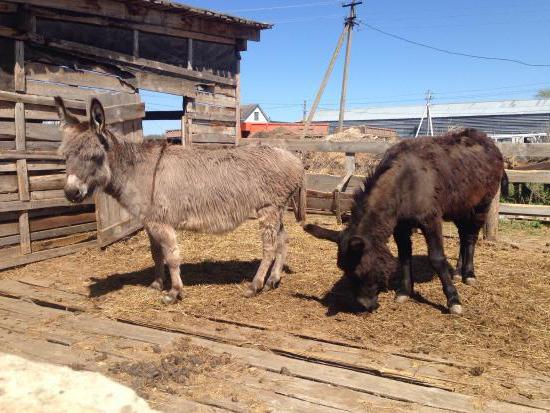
x=456, y=309
x=470, y=281
x=156, y=285
x=168, y=299
x=272, y=284
x=401, y=298
x=250, y=292
x=457, y=278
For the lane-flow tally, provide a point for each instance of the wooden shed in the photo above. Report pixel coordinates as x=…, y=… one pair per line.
x=113, y=49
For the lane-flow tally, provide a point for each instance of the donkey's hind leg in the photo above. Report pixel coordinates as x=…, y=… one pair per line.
x=280, y=259
x=158, y=259
x=165, y=235
x=270, y=223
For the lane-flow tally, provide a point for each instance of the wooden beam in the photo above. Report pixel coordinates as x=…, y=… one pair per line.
x=199, y=128
x=212, y=138
x=39, y=100
x=147, y=15
x=38, y=155
x=38, y=204
x=24, y=233
x=137, y=62
x=525, y=149
x=44, y=255
x=523, y=209
x=238, y=135
x=490, y=230
x=148, y=28
x=19, y=70
x=320, y=146
x=538, y=177
x=58, y=74
x=22, y=180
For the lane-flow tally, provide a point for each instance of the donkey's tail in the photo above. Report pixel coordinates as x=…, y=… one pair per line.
x=299, y=202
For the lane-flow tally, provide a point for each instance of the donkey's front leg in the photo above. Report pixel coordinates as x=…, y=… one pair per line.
x=165, y=235
x=269, y=225
x=158, y=259
x=280, y=259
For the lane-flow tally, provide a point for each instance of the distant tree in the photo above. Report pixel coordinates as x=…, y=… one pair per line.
x=543, y=94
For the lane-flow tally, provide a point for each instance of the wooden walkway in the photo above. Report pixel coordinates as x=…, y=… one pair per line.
x=291, y=372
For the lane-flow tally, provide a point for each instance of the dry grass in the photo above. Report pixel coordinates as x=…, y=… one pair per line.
x=505, y=328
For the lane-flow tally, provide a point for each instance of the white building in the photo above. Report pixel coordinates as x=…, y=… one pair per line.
x=253, y=113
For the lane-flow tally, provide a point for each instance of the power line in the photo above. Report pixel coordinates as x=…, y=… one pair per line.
x=307, y=19
x=451, y=52
x=291, y=6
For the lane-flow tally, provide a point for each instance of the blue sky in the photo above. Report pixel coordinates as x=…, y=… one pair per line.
x=287, y=65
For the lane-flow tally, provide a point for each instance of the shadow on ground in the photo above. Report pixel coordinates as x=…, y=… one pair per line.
x=340, y=299
x=206, y=272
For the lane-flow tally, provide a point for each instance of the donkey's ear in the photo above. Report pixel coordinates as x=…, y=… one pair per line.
x=64, y=116
x=97, y=117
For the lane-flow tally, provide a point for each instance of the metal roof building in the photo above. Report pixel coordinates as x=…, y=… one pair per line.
x=499, y=117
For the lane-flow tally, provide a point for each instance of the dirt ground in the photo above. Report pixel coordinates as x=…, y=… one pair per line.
x=504, y=331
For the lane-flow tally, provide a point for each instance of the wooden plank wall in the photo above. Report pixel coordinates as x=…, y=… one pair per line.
x=36, y=221
x=48, y=49
x=186, y=66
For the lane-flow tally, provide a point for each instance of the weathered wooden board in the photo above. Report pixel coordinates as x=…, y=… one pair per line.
x=58, y=74
x=523, y=209
x=129, y=60
x=12, y=260
x=396, y=391
x=150, y=16
x=539, y=177
x=47, y=182
x=212, y=138
x=68, y=92
x=8, y=183
x=36, y=204
x=307, y=145
x=39, y=100
x=199, y=128
x=7, y=109
x=140, y=27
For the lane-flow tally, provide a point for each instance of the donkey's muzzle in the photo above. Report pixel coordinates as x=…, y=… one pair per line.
x=74, y=194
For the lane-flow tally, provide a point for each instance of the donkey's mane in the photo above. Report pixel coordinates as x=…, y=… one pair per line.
x=361, y=195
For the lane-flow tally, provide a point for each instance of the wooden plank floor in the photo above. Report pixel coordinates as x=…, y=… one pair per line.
x=282, y=372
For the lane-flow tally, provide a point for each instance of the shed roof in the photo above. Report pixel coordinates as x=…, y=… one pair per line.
x=170, y=5
x=448, y=110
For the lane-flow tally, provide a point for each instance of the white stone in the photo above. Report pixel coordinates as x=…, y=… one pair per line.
x=32, y=387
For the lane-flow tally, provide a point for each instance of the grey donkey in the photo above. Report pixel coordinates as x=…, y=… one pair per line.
x=168, y=187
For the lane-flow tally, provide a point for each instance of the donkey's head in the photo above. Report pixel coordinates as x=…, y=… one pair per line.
x=84, y=147
x=367, y=266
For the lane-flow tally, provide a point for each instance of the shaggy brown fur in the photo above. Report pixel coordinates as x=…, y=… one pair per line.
x=198, y=190
x=419, y=183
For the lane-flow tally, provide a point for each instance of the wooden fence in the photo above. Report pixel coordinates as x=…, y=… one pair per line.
x=334, y=194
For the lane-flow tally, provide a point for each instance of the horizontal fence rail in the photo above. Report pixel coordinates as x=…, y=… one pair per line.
x=334, y=193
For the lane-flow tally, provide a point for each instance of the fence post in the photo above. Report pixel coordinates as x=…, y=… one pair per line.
x=490, y=231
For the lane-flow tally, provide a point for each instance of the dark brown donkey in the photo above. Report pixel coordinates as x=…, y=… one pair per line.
x=201, y=190
x=418, y=184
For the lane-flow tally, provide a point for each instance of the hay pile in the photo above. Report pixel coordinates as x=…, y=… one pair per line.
x=504, y=329
x=277, y=133
x=334, y=163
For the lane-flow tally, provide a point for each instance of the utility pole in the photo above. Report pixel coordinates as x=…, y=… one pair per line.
x=305, y=111
x=349, y=24
x=428, y=115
